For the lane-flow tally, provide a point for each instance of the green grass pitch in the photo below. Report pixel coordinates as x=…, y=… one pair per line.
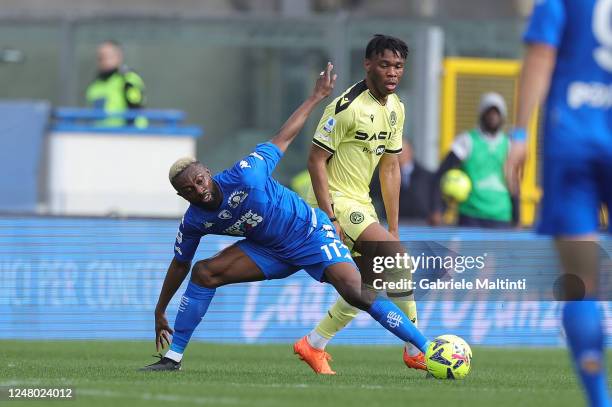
x=104, y=374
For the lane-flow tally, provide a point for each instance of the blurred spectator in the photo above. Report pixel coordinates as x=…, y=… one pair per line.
x=301, y=183
x=415, y=189
x=481, y=153
x=116, y=87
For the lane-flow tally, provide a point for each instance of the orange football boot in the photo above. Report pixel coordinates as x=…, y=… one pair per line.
x=415, y=362
x=316, y=358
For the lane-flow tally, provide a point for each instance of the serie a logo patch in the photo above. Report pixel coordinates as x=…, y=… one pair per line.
x=356, y=217
x=329, y=124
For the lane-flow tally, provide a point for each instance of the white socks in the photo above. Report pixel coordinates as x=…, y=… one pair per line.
x=174, y=355
x=317, y=341
x=412, y=350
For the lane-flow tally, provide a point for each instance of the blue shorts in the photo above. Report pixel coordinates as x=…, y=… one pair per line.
x=574, y=189
x=321, y=248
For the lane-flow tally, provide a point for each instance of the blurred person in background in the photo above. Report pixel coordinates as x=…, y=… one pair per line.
x=568, y=64
x=116, y=88
x=301, y=184
x=359, y=129
x=481, y=153
x=415, y=188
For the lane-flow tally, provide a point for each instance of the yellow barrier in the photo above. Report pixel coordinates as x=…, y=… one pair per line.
x=464, y=80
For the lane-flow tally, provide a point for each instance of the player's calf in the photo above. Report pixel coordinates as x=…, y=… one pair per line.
x=347, y=281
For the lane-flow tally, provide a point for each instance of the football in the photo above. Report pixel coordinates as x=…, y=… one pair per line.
x=456, y=185
x=448, y=357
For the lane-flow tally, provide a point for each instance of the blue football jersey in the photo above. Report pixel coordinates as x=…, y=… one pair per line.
x=578, y=116
x=254, y=205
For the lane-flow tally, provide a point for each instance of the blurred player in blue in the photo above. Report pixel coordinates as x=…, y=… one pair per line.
x=569, y=62
x=282, y=235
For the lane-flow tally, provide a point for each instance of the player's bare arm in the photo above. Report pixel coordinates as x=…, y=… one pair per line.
x=317, y=161
x=533, y=87
x=177, y=271
x=390, y=180
x=293, y=125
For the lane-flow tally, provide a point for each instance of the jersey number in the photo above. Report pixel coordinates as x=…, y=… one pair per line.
x=602, y=29
x=335, y=246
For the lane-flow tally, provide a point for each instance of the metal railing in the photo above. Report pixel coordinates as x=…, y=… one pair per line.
x=160, y=121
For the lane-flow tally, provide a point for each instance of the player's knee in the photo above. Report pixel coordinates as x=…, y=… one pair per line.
x=203, y=275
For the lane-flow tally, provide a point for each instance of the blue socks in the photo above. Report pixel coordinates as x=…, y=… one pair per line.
x=395, y=321
x=192, y=308
x=582, y=322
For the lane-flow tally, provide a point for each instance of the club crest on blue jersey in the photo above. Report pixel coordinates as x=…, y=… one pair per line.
x=245, y=164
x=225, y=214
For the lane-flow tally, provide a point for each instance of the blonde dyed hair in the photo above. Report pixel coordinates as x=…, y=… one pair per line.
x=179, y=166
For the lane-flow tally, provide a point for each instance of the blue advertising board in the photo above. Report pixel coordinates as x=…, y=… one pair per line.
x=22, y=131
x=70, y=278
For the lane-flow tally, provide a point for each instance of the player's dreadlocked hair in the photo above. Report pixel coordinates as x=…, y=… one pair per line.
x=381, y=42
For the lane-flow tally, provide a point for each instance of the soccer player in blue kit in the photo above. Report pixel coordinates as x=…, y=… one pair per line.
x=282, y=235
x=569, y=60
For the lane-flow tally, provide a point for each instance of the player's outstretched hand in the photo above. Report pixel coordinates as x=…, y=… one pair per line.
x=162, y=331
x=514, y=165
x=325, y=83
